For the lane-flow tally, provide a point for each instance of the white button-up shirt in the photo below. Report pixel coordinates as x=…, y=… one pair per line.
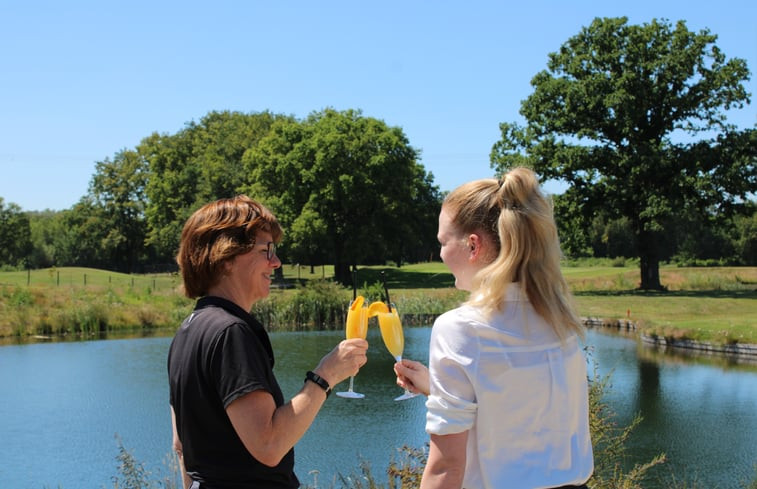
x=520, y=391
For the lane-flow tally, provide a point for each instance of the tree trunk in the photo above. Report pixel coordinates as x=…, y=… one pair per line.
x=342, y=274
x=649, y=257
x=650, y=273
x=278, y=274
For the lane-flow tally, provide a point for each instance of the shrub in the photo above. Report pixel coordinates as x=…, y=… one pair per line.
x=319, y=304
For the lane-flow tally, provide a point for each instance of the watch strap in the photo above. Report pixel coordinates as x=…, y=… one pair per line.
x=320, y=381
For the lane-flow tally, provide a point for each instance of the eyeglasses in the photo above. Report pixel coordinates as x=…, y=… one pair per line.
x=270, y=250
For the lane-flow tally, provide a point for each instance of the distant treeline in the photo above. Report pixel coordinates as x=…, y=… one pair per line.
x=347, y=188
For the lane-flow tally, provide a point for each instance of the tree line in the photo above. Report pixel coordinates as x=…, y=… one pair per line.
x=632, y=117
x=347, y=188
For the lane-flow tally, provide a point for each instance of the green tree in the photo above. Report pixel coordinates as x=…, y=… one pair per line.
x=15, y=234
x=613, y=238
x=604, y=116
x=572, y=227
x=46, y=228
x=200, y=163
x=746, y=240
x=118, y=189
x=347, y=188
x=85, y=228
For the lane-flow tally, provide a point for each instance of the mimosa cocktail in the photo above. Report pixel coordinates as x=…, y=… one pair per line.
x=394, y=339
x=356, y=327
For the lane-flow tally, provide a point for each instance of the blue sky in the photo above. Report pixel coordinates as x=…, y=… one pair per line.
x=80, y=81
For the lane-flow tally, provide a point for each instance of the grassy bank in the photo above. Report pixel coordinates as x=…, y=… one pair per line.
x=704, y=304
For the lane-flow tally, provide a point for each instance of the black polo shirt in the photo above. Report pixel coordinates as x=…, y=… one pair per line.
x=219, y=354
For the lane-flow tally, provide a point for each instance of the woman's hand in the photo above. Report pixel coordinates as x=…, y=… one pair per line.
x=343, y=361
x=413, y=376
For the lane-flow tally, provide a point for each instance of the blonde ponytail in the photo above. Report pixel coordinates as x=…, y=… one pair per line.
x=517, y=217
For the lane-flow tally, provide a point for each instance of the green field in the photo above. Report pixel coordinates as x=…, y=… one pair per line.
x=707, y=304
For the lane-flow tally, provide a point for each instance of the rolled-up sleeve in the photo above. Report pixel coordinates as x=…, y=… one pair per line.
x=453, y=359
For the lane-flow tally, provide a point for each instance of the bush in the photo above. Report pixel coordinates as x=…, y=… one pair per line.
x=322, y=305
x=318, y=305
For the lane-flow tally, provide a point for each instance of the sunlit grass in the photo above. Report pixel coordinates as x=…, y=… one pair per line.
x=87, y=302
x=707, y=304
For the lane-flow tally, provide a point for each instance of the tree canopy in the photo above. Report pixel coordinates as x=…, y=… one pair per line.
x=347, y=188
x=117, y=190
x=633, y=118
x=200, y=163
x=15, y=234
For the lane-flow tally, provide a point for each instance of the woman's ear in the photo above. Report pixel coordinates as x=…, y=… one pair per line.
x=474, y=246
x=227, y=266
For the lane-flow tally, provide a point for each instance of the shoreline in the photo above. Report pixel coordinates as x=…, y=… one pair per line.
x=741, y=351
x=744, y=351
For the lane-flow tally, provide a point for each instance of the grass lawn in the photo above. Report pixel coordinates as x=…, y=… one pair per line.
x=707, y=304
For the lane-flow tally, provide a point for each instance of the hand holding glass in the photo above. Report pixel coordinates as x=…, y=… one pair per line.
x=356, y=327
x=394, y=339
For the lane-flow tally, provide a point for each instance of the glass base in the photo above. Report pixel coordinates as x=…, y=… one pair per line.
x=350, y=395
x=406, y=395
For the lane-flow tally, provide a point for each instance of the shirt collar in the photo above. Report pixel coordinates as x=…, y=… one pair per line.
x=245, y=316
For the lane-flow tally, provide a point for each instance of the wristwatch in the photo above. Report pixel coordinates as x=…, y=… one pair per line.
x=320, y=381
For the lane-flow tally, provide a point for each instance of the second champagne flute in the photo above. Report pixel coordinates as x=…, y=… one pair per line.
x=394, y=339
x=356, y=327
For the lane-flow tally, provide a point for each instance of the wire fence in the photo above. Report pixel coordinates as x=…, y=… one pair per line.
x=82, y=277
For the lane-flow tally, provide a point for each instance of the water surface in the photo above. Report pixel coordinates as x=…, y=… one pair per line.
x=64, y=403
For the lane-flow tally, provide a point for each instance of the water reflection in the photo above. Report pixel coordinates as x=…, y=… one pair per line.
x=688, y=356
x=701, y=411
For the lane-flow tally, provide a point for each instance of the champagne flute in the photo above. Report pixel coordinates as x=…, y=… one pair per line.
x=356, y=326
x=394, y=340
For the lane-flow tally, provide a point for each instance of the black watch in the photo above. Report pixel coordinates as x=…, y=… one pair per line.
x=317, y=379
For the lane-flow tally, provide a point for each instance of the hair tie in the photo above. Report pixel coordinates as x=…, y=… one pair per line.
x=507, y=203
x=512, y=206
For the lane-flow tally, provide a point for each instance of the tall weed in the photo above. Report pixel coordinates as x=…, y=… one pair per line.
x=134, y=475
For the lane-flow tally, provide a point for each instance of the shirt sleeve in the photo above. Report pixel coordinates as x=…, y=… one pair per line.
x=453, y=360
x=239, y=364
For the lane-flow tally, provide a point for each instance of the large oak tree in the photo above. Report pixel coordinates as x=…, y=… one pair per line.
x=633, y=118
x=347, y=188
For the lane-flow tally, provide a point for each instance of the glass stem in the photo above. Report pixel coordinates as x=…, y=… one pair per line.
x=351, y=380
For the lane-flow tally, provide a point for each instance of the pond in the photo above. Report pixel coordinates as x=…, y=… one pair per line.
x=66, y=405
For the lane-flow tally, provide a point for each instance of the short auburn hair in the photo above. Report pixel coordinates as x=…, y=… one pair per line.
x=215, y=234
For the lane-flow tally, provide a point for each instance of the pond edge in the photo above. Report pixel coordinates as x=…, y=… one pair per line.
x=746, y=350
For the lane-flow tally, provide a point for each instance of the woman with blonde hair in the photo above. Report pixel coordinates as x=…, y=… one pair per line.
x=506, y=384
